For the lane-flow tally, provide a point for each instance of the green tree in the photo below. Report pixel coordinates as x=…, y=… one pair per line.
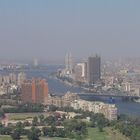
x=50, y=120
x=34, y=134
x=41, y=119
x=20, y=128
x=75, y=129
x=99, y=120
x=2, y=113
x=15, y=135
x=45, y=131
x=5, y=130
x=35, y=121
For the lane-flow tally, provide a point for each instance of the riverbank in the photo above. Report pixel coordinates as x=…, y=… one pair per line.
x=74, y=84
x=58, y=88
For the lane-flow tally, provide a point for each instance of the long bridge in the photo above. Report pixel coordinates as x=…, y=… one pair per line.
x=110, y=94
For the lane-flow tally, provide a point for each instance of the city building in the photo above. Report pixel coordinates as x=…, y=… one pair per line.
x=133, y=88
x=34, y=91
x=64, y=101
x=70, y=97
x=94, y=69
x=21, y=78
x=1, y=79
x=58, y=101
x=110, y=111
x=36, y=63
x=13, y=78
x=80, y=72
x=69, y=64
x=6, y=79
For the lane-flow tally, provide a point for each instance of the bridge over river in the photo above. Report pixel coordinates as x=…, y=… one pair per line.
x=110, y=94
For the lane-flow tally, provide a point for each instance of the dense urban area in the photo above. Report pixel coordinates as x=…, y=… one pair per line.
x=29, y=110
x=69, y=69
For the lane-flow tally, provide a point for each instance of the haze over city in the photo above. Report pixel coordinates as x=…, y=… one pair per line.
x=69, y=70
x=48, y=29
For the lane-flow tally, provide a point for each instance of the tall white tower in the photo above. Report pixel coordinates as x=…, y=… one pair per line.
x=35, y=62
x=69, y=65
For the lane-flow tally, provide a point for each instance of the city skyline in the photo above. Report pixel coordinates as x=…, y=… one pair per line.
x=69, y=69
x=47, y=30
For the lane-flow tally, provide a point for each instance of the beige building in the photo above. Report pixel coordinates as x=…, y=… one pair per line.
x=109, y=111
x=64, y=100
x=21, y=78
x=132, y=88
x=13, y=78
x=58, y=101
x=70, y=96
x=80, y=72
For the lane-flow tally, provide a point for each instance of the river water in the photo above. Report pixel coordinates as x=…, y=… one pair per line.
x=58, y=88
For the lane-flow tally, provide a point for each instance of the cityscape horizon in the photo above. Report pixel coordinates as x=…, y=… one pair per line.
x=69, y=70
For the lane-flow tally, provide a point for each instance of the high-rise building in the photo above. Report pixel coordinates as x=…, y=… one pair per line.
x=35, y=62
x=80, y=72
x=21, y=78
x=34, y=91
x=69, y=64
x=26, y=91
x=93, y=69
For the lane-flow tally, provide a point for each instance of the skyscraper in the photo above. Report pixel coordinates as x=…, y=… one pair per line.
x=69, y=65
x=35, y=62
x=35, y=91
x=80, y=72
x=94, y=69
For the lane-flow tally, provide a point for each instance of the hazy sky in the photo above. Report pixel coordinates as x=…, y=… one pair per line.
x=47, y=29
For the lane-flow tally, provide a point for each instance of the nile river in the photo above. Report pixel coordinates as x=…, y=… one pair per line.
x=59, y=88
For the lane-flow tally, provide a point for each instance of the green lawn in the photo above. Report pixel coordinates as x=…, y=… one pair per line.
x=9, y=138
x=93, y=134
x=5, y=138
x=42, y=138
x=23, y=116
x=53, y=139
x=115, y=135
x=108, y=134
